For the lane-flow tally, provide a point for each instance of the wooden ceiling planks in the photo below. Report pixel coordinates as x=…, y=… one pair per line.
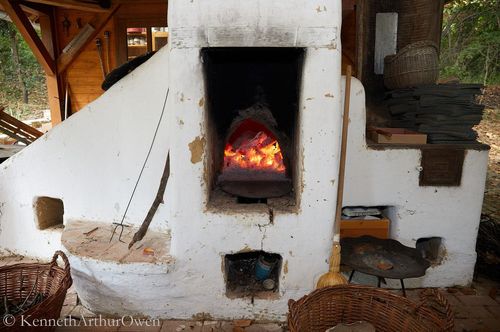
x=99, y=23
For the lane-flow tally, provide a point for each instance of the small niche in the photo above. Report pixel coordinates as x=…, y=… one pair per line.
x=49, y=212
x=432, y=249
x=252, y=274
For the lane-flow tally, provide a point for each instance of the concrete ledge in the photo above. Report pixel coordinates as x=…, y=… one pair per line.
x=111, y=279
x=87, y=239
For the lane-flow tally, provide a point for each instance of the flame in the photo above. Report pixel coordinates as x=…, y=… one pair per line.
x=260, y=152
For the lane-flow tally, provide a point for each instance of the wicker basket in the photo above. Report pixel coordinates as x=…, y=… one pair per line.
x=22, y=282
x=415, y=64
x=418, y=20
x=326, y=307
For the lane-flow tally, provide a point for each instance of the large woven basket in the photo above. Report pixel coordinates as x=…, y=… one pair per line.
x=415, y=64
x=22, y=282
x=326, y=307
x=418, y=20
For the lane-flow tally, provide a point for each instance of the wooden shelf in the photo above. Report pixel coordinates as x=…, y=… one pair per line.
x=360, y=227
x=384, y=146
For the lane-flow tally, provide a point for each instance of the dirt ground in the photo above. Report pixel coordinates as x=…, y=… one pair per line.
x=489, y=133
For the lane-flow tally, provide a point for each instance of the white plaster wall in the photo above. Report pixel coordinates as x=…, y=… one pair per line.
x=303, y=23
x=264, y=13
x=391, y=177
x=91, y=162
x=201, y=238
x=194, y=285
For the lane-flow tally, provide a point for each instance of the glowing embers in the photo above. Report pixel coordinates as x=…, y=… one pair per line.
x=253, y=148
x=254, y=164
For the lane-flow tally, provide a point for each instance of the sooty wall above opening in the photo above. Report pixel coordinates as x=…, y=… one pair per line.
x=238, y=77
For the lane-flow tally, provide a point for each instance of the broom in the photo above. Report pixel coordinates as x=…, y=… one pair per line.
x=333, y=277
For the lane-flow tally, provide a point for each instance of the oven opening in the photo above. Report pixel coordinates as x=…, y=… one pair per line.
x=254, y=274
x=252, y=120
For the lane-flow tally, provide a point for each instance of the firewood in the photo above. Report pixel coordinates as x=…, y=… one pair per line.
x=139, y=235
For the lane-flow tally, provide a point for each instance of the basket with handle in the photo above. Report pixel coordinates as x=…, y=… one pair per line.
x=326, y=307
x=35, y=290
x=413, y=65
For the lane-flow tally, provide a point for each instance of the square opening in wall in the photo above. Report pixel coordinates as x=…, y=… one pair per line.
x=252, y=120
x=252, y=274
x=49, y=212
x=432, y=249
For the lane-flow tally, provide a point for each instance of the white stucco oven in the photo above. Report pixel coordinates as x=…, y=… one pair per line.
x=91, y=162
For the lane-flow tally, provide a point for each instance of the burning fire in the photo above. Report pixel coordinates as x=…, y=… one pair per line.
x=255, y=151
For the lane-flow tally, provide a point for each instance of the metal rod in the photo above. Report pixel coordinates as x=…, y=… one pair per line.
x=351, y=275
x=140, y=174
x=98, y=43
x=403, y=287
x=107, y=44
x=66, y=97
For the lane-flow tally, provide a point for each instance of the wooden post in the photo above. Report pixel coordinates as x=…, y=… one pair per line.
x=361, y=17
x=54, y=81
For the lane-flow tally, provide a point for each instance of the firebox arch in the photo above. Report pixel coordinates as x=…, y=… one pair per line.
x=262, y=84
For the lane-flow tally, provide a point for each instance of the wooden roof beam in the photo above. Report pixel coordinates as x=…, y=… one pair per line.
x=34, y=8
x=72, y=4
x=14, y=10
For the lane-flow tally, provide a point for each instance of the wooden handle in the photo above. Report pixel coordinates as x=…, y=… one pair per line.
x=343, y=149
x=334, y=266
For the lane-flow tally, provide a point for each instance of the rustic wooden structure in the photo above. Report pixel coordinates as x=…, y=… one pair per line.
x=417, y=20
x=16, y=129
x=74, y=73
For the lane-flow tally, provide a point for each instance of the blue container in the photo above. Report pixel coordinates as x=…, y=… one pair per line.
x=263, y=268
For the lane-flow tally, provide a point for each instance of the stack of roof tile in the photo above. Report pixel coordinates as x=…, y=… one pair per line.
x=445, y=112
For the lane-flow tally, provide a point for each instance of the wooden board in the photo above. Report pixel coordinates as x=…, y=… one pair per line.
x=442, y=167
x=396, y=136
x=360, y=227
x=17, y=129
x=386, y=36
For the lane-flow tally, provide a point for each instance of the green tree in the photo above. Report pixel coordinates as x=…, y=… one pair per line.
x=22, y=79
x=470, y=48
